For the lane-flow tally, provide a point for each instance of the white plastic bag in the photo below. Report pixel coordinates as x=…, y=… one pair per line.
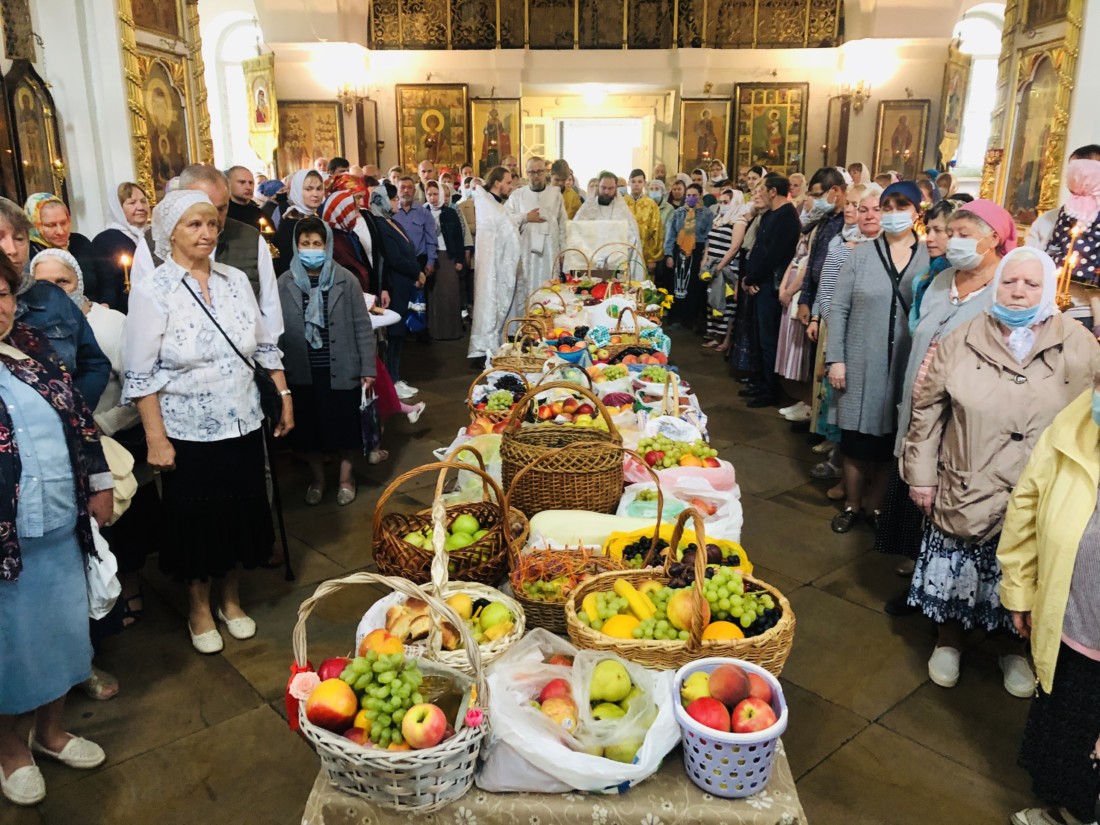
x=101, y=575
x=726, y=522
x=648, y=509
x=529, y=752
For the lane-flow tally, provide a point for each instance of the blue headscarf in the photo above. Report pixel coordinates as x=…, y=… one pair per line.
x=907, y=189
x=315, y=314
x=270, y=188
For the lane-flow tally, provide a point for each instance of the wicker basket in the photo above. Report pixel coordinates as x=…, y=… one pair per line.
x=528, y=332
x=561, y=366
x=653, y=315
x=546, y=320
x=485, y=561
x=769, y=650
x=419, y=780
x=551, y=615
x=592, y=480
x=627, y=339
x=496, y=416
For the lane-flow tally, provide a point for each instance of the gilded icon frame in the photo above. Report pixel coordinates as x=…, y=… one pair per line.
x=433, y=122
x=308, y=129
x=704, y=133
x=483, y=157
x=903, y=150
x=777, y=142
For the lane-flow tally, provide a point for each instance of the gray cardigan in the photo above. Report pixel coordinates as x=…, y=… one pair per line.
x=351, y=336
x=859, y=332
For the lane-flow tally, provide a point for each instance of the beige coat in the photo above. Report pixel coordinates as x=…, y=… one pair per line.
x=979, y=412
x=1047, y=515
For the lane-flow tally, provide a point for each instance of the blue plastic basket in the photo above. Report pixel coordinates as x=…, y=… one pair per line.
x=730, y=765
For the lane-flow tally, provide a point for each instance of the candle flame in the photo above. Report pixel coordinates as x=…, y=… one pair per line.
x=124, y=260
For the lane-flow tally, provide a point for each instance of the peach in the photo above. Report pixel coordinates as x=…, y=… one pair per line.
x=423, y=726
x=381, y=642
x=359, y=737
x=729, y=684
x=332, y=705
x=759, y=688
x=710, y=712
x=679, y=610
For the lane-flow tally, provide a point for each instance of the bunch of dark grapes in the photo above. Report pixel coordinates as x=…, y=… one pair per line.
x=683, y=571
x=580, y=332
x=511, y=384
x=765, y=622
x=634, y=553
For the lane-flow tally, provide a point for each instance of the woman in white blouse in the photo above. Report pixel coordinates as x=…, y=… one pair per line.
x=201, y=411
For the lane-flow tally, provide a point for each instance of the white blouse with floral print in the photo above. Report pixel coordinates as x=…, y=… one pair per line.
x=207, y=393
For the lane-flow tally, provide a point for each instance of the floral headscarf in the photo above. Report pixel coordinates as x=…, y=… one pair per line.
x=344, y=182
x=33, y=208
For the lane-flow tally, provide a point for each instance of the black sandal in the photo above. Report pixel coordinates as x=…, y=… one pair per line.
x=132, y=615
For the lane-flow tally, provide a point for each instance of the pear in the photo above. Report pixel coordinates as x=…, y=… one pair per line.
x=610, y=682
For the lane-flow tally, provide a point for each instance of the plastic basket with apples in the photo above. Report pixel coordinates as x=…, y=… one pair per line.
x=403, y=733
x=731, y=714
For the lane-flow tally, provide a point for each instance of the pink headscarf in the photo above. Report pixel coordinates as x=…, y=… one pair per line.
x=1083, y=181
x=998, y=219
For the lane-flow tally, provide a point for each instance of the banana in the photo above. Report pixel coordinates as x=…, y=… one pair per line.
x=589, y=607
x=640, y=605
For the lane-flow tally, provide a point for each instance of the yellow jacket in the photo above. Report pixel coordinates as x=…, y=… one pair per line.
x=1047, y=515
x=648, y=217
x=572, y=202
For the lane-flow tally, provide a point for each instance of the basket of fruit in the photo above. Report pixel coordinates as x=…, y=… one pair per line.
x=542, y=578
x=499, y=395
x=541, y=309
x=647, y=297
x=622, y=339
x=664, y=621
x=479, y=532
x=522, y=352
x=400, y=733
x=584, y=480
x=567, y=373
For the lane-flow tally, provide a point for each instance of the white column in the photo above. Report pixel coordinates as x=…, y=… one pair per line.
x=1083, y=126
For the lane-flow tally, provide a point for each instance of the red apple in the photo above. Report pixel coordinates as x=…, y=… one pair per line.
x=332, y=668
x=729, y=685
x=359, y=737
x=423, y=726
x=711, y=461
x=585, y=409
x=500, y=427
x=654, y=456
x=760, y=689
x=560, y=659
x=752, y=715
x=332, y=705
x=709, y=712
x=556, y=689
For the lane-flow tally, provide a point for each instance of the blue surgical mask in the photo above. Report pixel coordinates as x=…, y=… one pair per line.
x=691, y=200
x=312, y=258
x=1096, y=407
x=894, y=223
x=1014, y=318
x=656, y=195
x=822, y=204
x=622, y=191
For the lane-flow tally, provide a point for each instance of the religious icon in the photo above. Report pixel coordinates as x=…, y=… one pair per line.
x=36, y=136
x=704, y=132
x=900, y=137
x=166, y=119
x=495, y=123
x=432, y=123
x=771, y=123
x=1030, y=161
x=158, y=16
x=308, y=130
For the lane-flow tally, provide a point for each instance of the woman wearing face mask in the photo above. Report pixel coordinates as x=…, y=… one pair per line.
x=130, y=211
x=685, y=238
x=1049, y=557
x=51, y=228
x=444, y=305
x=306, y=194
x=656, y=191
x=947, y=184
x=935, y=241
x=868, y=347
x=990, y=390
x=721, y=261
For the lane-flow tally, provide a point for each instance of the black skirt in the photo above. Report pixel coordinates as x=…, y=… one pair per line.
x=216, y=514
x=325, y=420
x=1061, y=732
x=901, y=524
x=863, y=447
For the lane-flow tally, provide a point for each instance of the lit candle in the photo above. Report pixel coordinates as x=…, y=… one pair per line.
x=125, y=261
x=265, y=227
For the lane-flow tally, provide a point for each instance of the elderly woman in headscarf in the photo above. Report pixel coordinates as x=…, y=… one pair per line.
x=328, y=355
x=51, y=228
x=114, y=246
x=947, y=184
x=991, y=388
x=306, y=194
x=193, y=339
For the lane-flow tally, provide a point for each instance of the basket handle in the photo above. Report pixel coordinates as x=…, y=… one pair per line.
x=522, y=405
x=436, y=466
x=675, y=387
x=474, y=384
x=514, y=552
x=531, y=302
x=453, y=456
x=698, y=600
x=559, y=262
x=559, y=366
x=619, y=321
x=628, y=252
x=435, y=603
x=526, y=331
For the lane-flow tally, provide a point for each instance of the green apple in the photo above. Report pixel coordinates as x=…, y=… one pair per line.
x=624, y=751
x=480, y=534
x=606, y=710
x=456, y=541
x=465, y=524
x=493, y=614
x=414, y=539
x=696, y=686
x=610, y=682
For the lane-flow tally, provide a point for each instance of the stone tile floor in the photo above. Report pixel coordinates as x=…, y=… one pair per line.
x=872, y=740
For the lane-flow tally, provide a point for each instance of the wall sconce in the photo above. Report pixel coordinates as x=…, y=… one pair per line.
x=350, y=96
x=858, y=93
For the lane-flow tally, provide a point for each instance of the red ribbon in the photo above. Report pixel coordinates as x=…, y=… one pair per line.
x=291, y=702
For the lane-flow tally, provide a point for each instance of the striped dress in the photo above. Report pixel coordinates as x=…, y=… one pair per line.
x=718, y=244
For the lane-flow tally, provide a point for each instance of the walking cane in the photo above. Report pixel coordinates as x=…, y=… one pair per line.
x=277, y=500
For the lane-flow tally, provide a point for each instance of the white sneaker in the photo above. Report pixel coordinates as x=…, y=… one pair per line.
x=404, y=391
x=1019, y=677
x=798, y=414
x=792, y=408
x=943, y=667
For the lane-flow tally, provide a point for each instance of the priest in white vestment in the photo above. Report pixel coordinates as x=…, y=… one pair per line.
x=608, y=205
x=540, y=213
x=499, y=264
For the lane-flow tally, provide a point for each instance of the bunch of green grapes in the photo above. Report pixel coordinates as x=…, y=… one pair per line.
x=654, y=373
x=608, y=604
x=499, y=401
x=387, y=686
x=614, y=372
x=729, y=601
x=658, y=626
x=646, y=495
x=700, y=449
x=675, y=450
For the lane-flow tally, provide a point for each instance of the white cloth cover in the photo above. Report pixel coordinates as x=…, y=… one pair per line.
x=541, y=242
x=496, y=283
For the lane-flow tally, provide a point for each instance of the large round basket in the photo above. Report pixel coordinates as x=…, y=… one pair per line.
x=769, y=650
x=513, y=356
x=417, y=780
x=588, y=480
x=496, y=416
x=542, y=311
x=573, y=564
x=485, y=560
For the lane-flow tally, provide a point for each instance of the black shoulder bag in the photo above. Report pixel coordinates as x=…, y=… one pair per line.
x=271, y=403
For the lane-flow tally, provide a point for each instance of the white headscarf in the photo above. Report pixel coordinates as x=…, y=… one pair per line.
x=118, y=220
x=69, y=261
x=168, y=213
x=1022, y=339
x=736, y=210
x=296, y=189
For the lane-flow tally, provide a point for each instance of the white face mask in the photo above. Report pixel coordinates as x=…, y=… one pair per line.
x=850, y=233
x=963, y=254
x=894, y=223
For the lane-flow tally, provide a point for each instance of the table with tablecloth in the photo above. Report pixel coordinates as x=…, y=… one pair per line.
x=668, y=797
